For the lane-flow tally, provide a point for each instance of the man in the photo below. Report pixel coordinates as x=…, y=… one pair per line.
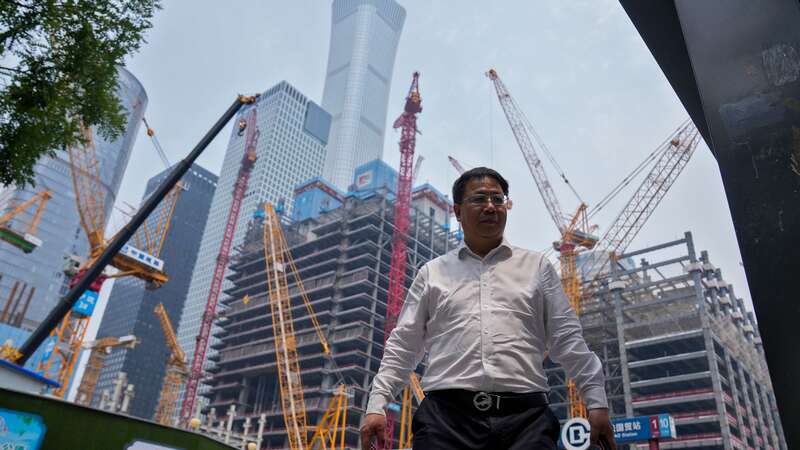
x=488, y=314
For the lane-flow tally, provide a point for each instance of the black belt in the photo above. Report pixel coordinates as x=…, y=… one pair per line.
x=491, y=402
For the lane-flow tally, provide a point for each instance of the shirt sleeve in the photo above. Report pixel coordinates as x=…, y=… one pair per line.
x=404, y=348
x=565, y=341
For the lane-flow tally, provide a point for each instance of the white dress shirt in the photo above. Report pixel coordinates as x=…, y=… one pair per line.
x=487, y=324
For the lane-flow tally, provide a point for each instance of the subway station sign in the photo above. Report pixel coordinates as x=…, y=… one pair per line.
x=644, y=428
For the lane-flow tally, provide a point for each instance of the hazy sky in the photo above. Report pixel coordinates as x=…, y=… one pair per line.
x=578, y=69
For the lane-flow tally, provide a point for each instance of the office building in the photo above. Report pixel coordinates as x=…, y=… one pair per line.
x=130, y=308
x=290, y=149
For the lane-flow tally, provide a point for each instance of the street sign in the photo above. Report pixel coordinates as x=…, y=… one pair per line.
x=575, y=434
x=643, y=428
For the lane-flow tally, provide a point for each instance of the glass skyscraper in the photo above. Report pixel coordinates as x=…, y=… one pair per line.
x=291, y=149
x=130, y=309
x=364, y=37
x=39, y=276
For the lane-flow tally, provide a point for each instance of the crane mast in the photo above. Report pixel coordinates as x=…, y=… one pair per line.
x=100, y=349
x=176, y=370
x=250, y=127
x=278, y=261
x=407, y=122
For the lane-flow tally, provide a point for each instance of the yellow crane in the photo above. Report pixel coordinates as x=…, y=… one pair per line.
x=279, y=261
x=176, y=371
x=138, y=258
x=100, y=349
x=24, y=240
x=411, y=392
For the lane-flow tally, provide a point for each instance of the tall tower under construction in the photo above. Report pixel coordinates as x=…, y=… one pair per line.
x=341, y=244
x=675, y=339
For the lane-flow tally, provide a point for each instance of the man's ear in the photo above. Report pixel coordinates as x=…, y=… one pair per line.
x=457, y=211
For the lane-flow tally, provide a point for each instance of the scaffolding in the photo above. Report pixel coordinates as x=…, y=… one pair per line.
x=343, y=258
x=674, y=338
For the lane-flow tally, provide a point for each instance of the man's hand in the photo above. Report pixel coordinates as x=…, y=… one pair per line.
x=375, y=425
x=600, y=423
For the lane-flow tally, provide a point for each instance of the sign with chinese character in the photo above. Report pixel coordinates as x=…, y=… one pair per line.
x=21, y=430
x=643, y=428
x=86, y=303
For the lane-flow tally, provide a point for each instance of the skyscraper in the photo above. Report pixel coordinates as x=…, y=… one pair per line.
x=130, y=305
x=291, y=148
x=41, y=272
x=364, y=37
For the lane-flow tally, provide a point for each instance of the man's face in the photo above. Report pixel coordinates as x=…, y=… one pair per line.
x=481, y=221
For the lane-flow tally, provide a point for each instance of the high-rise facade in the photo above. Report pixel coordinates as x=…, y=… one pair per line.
x=38, y=276
x=130, y=308
x=290, y=149
x=364, y=38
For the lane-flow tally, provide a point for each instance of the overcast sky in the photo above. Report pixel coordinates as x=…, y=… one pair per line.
x=578, y=69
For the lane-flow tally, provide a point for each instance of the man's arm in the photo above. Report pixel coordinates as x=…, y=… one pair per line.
x=565, y=341
x=404, y=348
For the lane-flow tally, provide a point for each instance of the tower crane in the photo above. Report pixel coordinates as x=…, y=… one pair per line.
x=575, y=233
x=99, y=350
x=407, y=122
x=278, y=261
x=24, y=240
x=672, y=157
x=175, y=374
x=139, y=260
x=248, y=127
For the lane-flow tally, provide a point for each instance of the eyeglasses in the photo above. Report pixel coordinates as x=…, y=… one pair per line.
x=482, y=199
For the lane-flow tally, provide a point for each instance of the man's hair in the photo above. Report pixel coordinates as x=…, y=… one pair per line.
x=460, y=184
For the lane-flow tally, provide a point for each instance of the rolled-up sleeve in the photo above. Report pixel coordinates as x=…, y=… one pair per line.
x=404, y=348
x=565, y=341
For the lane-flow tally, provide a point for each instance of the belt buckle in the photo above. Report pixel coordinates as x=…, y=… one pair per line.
x=482, y=401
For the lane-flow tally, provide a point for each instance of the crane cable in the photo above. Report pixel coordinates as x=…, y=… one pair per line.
x=661, y=148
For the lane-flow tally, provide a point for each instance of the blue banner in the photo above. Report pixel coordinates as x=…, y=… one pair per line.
x=86, y=303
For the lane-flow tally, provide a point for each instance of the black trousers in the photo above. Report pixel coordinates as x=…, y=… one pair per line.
x=450, y=421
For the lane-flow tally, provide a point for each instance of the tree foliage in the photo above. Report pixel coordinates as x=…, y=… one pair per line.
x=58, y=71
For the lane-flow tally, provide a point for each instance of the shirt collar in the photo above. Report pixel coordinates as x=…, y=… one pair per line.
x=464, y=250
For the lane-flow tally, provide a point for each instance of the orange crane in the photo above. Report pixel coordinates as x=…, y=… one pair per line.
x=138, y=259
x=576, y=234
x=176, y=371
x=278, y=260
x=25, y=241
x=100, y=349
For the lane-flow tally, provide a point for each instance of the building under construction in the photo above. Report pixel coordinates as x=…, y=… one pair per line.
x=341, y=244
x=675, y=339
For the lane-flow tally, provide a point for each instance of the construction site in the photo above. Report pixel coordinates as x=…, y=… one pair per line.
x=296, y=314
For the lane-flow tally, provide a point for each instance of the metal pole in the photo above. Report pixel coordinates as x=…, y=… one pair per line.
x=61, y=309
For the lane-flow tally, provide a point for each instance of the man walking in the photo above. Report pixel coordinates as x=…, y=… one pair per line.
x=488, y=314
